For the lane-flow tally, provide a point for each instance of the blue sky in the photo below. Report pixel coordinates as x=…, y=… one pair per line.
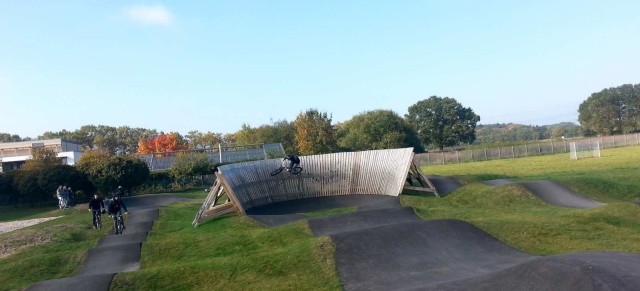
x=214, y=65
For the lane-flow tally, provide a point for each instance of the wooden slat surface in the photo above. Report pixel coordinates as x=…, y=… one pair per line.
x=381, y=172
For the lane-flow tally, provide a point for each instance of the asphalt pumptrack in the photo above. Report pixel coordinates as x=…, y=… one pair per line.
x=384, y=246
x=114, y=253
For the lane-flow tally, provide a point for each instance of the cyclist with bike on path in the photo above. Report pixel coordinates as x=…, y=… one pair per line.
x=96, y=207
x=116, y=205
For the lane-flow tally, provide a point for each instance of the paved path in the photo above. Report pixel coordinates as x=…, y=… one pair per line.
x=290, y=211
x=387, y=247
x=18, y=224
x=114, y=253
x=551, y=192
x=443, y=184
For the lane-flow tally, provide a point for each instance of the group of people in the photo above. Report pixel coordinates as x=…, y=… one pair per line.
x=65, y=196
x=115, y=206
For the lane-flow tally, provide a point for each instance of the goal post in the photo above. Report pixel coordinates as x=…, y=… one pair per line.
x=584, y=149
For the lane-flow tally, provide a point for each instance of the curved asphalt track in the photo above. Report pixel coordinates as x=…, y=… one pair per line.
x=114, y=253
x=551, y=192
x=387, y=247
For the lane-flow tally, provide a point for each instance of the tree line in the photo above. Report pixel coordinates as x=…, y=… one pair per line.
x=517, y=133
x=611, y=111
x=437, y=121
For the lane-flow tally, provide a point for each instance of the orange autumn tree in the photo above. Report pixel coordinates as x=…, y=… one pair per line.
x=164, y=144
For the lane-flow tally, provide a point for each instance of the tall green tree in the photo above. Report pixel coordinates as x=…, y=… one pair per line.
x=199, y=140
x=314, y=133
x=282, y=131
x=379, y=129
x=121, y=140
x=443, y=122
x=188, y=165
x=38, y=184
x=8, y=193
x=64, y=134
x=41, y=158
x=107, y=171
x=612, y=111
x=6, y=137
x=246, y=135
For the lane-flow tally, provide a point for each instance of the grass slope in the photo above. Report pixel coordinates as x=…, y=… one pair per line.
x=10, y=213
x=230, y=253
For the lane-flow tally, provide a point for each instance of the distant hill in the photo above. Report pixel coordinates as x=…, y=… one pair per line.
x=512, y=132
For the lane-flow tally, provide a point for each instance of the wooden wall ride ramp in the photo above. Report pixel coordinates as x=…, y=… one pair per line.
x=250, y=184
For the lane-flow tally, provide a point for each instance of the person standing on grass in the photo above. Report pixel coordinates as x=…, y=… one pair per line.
x=71, y=200
x=59, y=196
x=96, y=206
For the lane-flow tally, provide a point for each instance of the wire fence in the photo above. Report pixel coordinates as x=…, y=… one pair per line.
x=527, y=150
x=219, y=155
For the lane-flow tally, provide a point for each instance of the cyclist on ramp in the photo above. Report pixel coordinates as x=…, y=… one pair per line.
x=290, y=163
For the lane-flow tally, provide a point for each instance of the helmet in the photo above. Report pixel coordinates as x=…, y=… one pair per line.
x=119, y=187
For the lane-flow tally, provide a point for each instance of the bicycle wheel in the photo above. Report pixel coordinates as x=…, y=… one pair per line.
x=277, y=171
x=121, y=224
x=116, y=226
x=98, y=221
x=296, y=170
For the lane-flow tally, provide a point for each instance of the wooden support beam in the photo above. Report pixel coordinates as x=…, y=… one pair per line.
x=229, y=191
x=217, y=211
x=423, y=179
x=421, y=189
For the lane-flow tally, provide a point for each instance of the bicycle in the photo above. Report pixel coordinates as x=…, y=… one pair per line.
x=294, y=171
x=119, y=223
x=97, y=217
x=62, y=203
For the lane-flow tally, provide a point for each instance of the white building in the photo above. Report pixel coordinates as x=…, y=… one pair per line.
x=14, y=154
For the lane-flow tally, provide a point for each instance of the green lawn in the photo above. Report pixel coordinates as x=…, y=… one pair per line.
x=230, y=253
x=10, y=213
x=237, y=253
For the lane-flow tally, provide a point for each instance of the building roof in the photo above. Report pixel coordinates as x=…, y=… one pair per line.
x=28, y=144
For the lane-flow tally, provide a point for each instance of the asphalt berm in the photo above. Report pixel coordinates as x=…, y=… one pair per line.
x=114, y=253
x=551, y=192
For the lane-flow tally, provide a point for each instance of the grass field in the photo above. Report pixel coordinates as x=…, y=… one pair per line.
x=237, y=253
x=518, y=218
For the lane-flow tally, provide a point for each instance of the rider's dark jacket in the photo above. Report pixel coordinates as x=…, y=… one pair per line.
x=96, y=204
x=116, y=205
